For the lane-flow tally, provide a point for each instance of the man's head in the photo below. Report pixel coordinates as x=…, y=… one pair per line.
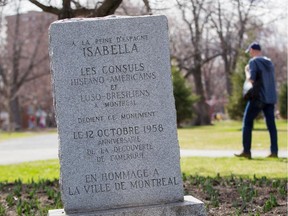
x=254, y=49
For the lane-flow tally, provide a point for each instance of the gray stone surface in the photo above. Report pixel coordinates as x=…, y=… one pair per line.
x=190, y=207
x=115, y=112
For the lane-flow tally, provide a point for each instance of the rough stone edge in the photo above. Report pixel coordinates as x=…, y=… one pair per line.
x=190, y=206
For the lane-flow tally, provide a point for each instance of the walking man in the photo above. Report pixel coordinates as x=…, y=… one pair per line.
x=262, y=71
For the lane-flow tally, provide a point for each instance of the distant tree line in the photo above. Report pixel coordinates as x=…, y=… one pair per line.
x=207, y=38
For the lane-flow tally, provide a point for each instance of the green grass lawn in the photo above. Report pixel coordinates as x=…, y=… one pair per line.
x=222, y=135
x=202, y=166
x=201, y=175
x=37, y=170
x=227, y=135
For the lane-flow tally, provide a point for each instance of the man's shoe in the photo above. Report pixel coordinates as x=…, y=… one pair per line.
x=244, y=154
x=272, y=155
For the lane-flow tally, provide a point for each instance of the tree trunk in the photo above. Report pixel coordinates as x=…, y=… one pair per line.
x=229, y=83
x=15, y=120
x=66, y=10
x=228, y=73
x=201, y=107
x=202, y=112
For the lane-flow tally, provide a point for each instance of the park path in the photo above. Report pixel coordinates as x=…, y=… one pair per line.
x=43, y=147
x=40, y=147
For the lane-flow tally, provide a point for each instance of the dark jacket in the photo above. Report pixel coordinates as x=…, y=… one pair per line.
x=261, y=68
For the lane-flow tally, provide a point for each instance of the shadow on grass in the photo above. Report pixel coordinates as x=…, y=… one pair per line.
x=280, y=159
x=265, y=129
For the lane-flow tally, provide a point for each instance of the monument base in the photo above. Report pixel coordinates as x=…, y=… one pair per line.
x=190, y=206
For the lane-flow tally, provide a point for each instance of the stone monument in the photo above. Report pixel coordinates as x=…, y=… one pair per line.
x=113, y=96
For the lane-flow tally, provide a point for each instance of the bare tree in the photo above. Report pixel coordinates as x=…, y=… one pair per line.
x=230, y=19
x=132, y=8
x=192, y=53
x=279, y=58
x=22, y=61
x=71, y=8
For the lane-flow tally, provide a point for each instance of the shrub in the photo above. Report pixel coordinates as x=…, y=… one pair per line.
x=237, y=103
x=283, y=101
x=184, y=99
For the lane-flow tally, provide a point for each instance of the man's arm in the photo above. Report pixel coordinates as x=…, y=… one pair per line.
x=253, y=71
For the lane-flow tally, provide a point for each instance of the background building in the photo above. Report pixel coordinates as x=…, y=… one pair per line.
x=26, y=88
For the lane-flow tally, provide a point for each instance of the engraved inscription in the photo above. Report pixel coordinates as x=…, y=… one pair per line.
x=120, y=131
x=121, y=143
x=123, y=68
x=139, y=115
x=122, y=116
x=92, y=119
x=115, y=49
x=121, y=140
x=112, y=74
x=87, y=81
x=88, y=71
x=123, y=180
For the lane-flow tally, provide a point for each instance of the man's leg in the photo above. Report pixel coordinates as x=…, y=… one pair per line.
x=270, y=122
x=251, y=112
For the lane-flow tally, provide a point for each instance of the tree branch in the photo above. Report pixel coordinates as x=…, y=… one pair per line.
x=147, y=5
x=45, y=8
x=29, y=70
x=77, y=4
x=3, y=75
x=182, y=8
x=37, y=76
x=108, y=7
x=211, y=57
